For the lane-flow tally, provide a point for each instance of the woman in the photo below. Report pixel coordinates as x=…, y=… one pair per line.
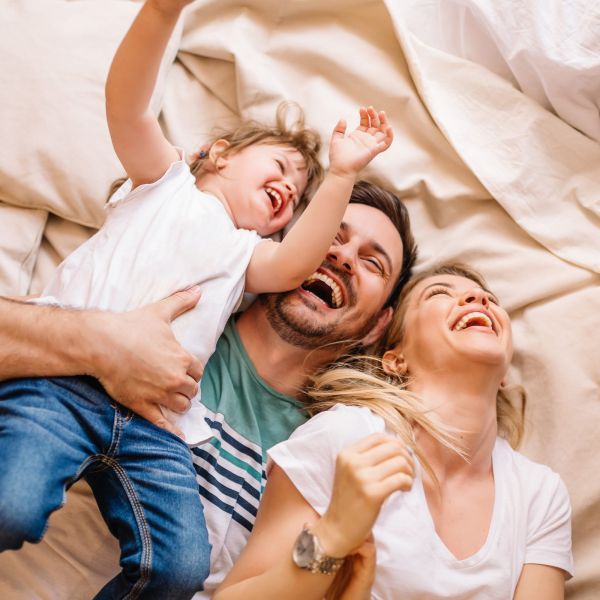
x=473, y=519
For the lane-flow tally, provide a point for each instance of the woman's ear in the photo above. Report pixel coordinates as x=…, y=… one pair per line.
x=216, y=153
x=394, y=363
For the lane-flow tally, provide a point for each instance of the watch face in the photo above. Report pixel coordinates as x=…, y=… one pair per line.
x=304, y=550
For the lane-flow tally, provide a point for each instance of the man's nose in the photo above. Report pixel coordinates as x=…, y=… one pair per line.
x=475, y=295
x=342, y=256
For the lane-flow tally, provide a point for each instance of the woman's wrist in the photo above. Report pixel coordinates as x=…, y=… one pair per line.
x=331, y=538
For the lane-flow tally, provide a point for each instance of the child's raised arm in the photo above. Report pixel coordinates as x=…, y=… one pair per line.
x=136, y=135
x=280, y=267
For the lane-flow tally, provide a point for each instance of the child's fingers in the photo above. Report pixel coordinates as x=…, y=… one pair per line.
x=374, y=117
x=389, y=135
x=383, y=119
x=364, y=118
x=340, y=128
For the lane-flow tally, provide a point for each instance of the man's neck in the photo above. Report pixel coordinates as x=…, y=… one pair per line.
x=282, y=365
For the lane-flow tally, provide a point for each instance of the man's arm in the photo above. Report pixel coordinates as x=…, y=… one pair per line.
x=135, y=355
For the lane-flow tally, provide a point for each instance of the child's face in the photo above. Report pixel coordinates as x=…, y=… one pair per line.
x=263, y=184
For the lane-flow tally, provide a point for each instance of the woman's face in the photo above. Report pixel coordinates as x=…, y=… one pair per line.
x=452, y=323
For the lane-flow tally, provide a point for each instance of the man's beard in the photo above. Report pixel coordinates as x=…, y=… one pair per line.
x=299, y=329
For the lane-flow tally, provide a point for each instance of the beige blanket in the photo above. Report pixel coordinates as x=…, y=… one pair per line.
x=489, y=178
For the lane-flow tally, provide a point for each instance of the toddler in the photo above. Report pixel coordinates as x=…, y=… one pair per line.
x=168, y=228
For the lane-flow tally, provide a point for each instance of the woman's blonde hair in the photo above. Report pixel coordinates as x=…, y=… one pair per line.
x=361, y=381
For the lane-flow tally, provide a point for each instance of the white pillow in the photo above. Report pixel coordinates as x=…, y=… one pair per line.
x=56, y=152
x=20, y=233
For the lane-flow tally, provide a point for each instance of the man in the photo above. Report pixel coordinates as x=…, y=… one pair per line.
x=251, y=385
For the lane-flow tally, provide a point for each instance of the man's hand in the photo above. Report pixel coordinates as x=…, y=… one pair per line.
x=348, y=154
x=140, y=363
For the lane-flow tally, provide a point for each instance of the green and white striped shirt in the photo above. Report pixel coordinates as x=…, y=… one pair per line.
x=247, y=417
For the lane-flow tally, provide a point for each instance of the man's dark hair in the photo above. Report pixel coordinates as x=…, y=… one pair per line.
x=391, y=206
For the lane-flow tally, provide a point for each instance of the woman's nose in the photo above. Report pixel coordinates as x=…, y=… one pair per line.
x=476, y=295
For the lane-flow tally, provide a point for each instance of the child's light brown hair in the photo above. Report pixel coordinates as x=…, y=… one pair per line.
x=295, y=134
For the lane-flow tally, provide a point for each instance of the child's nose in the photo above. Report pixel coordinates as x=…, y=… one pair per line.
x=290, y=189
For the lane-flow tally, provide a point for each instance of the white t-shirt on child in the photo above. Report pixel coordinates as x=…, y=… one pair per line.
x=530, y=523
x=157, y=239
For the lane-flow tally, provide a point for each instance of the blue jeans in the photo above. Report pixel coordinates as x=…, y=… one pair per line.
x=54, y=431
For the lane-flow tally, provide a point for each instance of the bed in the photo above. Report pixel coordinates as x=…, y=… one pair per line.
x=498, y=164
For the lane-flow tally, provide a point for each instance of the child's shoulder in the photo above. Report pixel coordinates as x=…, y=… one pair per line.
x=177, y=176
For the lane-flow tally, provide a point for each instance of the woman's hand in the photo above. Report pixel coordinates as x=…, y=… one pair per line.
x=349, y=154
x=365, y=475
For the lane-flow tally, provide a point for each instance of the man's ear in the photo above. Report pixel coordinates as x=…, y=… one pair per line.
x=215, y=154
x=394, y=363
x=385, y=316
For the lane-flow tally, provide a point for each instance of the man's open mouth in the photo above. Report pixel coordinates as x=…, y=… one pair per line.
x=325, y=288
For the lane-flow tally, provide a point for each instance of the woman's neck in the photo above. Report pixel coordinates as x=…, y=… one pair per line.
x=466, y=402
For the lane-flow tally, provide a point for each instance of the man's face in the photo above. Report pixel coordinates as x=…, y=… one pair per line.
x=343, y=300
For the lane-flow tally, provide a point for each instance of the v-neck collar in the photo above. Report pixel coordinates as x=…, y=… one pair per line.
x=438, y=545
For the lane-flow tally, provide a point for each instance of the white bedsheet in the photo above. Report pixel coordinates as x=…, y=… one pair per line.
x=489, y=175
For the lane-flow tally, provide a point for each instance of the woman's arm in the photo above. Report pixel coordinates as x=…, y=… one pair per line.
x=135, y=355
x=365, y=475
x=539, y=582
x=137, y=138
x=265, y=568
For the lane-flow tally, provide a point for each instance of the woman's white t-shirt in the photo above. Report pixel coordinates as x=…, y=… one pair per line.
x=157, y=239
x=531, y=521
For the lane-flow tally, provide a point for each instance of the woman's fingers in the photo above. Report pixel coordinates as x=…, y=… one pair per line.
x=373, y=449
x=393, y=465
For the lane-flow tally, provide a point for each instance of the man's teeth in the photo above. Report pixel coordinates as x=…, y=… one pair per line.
x=336, y=292
x=276, y=199
x=473, y=318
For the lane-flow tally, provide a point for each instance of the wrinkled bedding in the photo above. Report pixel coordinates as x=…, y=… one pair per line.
x=491, y=174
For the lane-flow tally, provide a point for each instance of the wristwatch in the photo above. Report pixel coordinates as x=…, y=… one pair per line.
x=309, y=555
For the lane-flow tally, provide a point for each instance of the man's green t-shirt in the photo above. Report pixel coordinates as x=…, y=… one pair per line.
x=247, y=417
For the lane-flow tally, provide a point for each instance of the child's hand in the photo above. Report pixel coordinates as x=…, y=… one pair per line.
x=348, y=154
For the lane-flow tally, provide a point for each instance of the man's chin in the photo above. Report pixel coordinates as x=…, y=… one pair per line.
x=301, y=321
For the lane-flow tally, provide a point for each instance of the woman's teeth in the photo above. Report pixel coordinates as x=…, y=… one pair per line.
x=473, y=318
